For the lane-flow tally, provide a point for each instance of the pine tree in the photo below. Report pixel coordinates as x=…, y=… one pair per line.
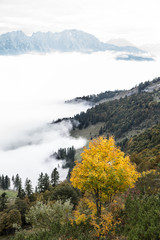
x=28, y=188
x=17, y=182
x=7, y=182
x=21, y=193
x=54, y=177
x=46, y=182
x=3, y=201
x=43, y=182
x=3, y=182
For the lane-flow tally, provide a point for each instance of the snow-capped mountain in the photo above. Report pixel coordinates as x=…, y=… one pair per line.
x=17, y=42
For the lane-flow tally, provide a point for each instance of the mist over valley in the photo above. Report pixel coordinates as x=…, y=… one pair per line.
x=33, y=91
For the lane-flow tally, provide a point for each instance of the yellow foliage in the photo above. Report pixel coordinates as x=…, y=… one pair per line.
x=105, y=168
x=153, y=171
x=86, y=213
x=103, y=172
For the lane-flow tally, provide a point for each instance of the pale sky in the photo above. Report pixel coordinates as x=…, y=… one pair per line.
x=135, y=20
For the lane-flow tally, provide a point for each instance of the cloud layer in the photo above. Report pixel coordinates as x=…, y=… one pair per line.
x=32, y=91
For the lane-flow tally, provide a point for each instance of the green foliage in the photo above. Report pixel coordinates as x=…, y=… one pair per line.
x=17, y=181
x=65, y=191
x=11, y=194
x=28, y=188
x=4, y=182
x=67, y=154
x=142, y=86
x=46, y=215
x=144, y=149
x=3, y=201
x=149, y=183
x=99, y=97
x=54, y=177
x=21, y=193
x=63, y=232
x=22, y=206
x=43, y=182
x=142, y=218
x=9, y=220
x=150, y=138
x=123, y=115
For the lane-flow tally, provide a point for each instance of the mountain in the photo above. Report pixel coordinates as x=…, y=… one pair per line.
x=17, y=42
x=13, y=43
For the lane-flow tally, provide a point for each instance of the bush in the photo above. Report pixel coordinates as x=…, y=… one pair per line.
x=47, y=216
x=9, y=221
x=65, y=191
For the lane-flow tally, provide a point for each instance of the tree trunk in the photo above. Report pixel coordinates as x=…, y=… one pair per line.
x=98, y=204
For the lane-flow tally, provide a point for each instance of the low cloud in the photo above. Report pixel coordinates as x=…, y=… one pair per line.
x=33, y=89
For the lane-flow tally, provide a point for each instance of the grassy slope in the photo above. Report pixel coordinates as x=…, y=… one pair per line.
x=10, y=193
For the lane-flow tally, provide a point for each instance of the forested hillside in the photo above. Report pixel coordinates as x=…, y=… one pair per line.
x=133, y=119
x=144, y=149
x=135, y=112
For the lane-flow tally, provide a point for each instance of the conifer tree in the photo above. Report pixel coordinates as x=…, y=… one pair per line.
x=3, y=201
x=43, y=182
x=54, y=177
x=17, y=181
x=21, y=193
x=28, y=188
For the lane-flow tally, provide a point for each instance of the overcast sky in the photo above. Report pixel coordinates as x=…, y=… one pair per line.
x=135, y=20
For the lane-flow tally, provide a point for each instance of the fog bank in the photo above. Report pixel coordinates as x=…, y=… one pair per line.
x=33, y=89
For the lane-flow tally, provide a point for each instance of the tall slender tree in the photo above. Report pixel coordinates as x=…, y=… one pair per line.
x=28, y=188
x=54, y=177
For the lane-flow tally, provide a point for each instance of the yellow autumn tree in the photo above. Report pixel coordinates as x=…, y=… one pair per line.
x=104, y=171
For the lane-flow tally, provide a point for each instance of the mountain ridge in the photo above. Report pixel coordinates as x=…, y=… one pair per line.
x=16, y=42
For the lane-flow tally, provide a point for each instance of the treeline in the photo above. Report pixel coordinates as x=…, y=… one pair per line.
x=67, y=154
x=95, y=98
x=4, y=182
x=44, y=181
x=142, y=86
x=119, y=116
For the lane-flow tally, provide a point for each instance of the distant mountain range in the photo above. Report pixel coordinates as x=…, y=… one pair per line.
x=16, y=42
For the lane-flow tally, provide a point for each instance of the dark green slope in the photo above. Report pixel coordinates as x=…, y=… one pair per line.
x=119, y=117
x=144, y=149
